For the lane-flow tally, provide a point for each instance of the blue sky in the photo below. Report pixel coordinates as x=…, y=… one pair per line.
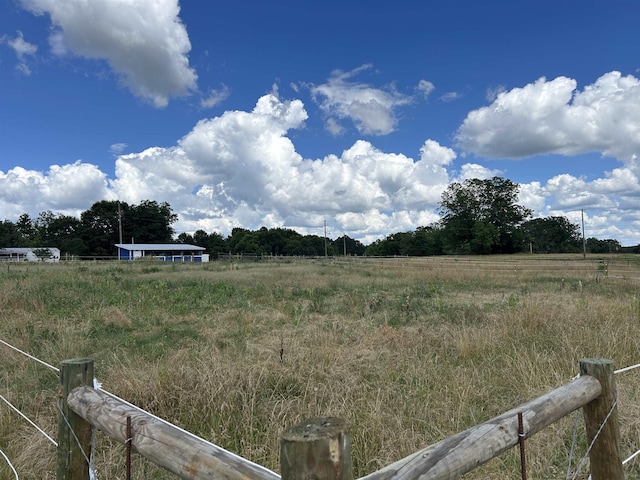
x=357, y=113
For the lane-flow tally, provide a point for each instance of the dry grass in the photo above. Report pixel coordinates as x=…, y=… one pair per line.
x=408, y=351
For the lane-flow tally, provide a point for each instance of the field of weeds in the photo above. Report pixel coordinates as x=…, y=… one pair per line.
x=408, y=351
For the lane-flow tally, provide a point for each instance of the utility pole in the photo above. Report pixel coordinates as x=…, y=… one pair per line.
x=120, y=222
x=584, y=241
x=325, y=239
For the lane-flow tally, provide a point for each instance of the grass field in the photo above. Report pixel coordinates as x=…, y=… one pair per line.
x=409, y=351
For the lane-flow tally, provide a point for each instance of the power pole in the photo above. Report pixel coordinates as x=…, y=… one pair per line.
x=120, y=221
x=584, y=241
x=325, y=239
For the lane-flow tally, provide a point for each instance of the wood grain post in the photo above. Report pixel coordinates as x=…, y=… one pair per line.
x=72, y=464
x=601, y=415
x=319, y=449
x=187, y=456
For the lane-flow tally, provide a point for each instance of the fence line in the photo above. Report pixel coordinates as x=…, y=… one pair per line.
x=450, y=458
x=479, y=444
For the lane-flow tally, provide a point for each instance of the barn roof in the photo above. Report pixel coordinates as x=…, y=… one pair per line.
x=160, y=247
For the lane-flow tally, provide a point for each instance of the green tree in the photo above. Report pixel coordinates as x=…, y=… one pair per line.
x=60, y=231
x=28, y=233
x=421, y=242
x=389, y=246
x=427, y=241
x=213, y=242
x=314, y=246
x=552, y=235
x=352, y=246
x=100, y=228
x=594, y=245
x=9, y=234
x=149, y=222
x=482, y=216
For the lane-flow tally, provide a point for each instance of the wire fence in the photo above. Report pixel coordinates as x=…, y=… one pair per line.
x=90, y=461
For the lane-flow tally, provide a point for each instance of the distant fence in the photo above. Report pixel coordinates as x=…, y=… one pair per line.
x=321, y=448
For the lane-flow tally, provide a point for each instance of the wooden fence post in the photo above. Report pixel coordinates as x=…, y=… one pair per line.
x=74, y=433
x=601, y=415
x=319, y=448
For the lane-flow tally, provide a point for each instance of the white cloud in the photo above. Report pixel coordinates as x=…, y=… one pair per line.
x=144, y=41
x=22, y=49
x=215, y=97
x=66, y=189
x=372, y=110
x=20, y=46
x=118, y=148
x=241, y=168
x=493, y=92
x=426, y=87
x=553, y=117
x=475, y=170
x=450, y=97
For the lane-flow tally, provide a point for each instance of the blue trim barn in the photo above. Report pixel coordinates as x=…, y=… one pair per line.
x=166, y=252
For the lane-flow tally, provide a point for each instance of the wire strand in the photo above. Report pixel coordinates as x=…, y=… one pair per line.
x=29, y=420
x=595, y=437
x=73, y=433
x=631, y=458
x=30, y=356
x=10, y=464
x=574, y=436
x=626, y=369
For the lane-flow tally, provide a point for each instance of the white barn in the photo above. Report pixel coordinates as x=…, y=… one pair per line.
x=166, y=252
x=19, y=254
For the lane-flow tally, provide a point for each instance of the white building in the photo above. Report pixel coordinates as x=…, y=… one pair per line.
x=43, y=254
x=167, y=252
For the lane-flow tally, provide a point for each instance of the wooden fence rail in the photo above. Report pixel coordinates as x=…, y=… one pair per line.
x=321, y=448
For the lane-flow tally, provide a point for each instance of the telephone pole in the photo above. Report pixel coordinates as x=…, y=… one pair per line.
x=325, y=239
x=120, y=222
x=584, y=241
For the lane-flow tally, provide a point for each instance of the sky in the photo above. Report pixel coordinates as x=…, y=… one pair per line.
x=356, y=114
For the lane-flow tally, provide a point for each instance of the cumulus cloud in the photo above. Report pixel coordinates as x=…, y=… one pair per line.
x=241, y=168
x=372, y=110
x=22, y=49
x=145, y=42
x=554, y=117
x=67, y=189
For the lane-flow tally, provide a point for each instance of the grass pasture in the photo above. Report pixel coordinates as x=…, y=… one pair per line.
x=409, y=351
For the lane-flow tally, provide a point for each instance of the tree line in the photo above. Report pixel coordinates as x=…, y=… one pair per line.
x=106, y=223
x=478, y=217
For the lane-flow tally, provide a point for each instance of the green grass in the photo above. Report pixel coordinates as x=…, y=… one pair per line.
x=409, y=351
